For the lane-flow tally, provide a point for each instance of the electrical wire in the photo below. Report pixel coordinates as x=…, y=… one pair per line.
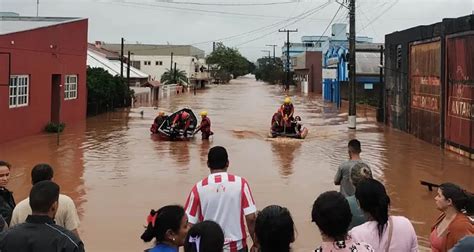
x=274, y=25
x=229, y=4
x=307, y=14
x=380, y=15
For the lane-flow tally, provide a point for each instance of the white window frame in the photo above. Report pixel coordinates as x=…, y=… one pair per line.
x=70, y=87
x=18, y=89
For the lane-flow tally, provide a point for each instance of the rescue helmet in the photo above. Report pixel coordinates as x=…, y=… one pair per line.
x=287, y=100
x=203, y=113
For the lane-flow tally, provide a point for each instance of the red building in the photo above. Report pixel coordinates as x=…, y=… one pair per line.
x=308, y=71
x=42, y=73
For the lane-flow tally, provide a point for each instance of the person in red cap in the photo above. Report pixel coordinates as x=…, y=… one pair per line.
x=182, y=121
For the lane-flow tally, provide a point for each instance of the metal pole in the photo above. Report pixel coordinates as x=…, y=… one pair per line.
x=268, y=51
x=171, y=67
x=287, y=87
x=174, y=73
x=121, y=58
x=128, y=70
x=382, y=84
x=273, y=50
x=37, y=7
x=352, y=67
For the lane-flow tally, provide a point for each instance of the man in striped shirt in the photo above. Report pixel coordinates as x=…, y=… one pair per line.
x=225, y=199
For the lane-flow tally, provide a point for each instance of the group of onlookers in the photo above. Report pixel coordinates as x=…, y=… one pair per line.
x=45, y=221
x=220, y=209
x=355, y=219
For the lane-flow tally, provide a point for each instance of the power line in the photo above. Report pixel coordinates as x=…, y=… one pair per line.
x=308, y=13
x=194, y=10
x=330, y=23
x=229, y=4
x=380, y=15
x=297, y=18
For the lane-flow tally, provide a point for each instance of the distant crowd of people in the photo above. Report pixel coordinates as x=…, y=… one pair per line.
x=220, y=214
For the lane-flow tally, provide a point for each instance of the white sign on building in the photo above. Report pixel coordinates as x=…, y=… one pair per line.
x=329, y=73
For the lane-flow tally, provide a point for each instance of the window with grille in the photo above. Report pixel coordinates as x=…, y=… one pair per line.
x=70, y=87
x=18, y=95
x=399, y=56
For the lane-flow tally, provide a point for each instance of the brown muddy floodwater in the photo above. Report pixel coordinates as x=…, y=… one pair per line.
x=116, y=172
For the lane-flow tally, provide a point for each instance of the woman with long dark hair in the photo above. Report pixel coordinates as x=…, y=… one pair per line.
x=332, y=215
x=456, y=205
x=382, y=231
x=274, y=229
x=168, y=226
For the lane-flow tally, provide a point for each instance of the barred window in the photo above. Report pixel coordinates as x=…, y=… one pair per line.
x=70, y=87
x=19, y=90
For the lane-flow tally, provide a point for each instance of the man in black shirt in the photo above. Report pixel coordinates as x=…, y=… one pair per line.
x=39, y=233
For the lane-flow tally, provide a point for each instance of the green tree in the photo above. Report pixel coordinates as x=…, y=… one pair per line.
x=229, y=61
x=174, y=76
x=270, y=70
x=105, y=92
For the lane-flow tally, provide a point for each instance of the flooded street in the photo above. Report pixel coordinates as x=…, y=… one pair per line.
x=116, y=172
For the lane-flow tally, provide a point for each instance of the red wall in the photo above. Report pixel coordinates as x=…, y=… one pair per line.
x=31, y=54
x=315, y=65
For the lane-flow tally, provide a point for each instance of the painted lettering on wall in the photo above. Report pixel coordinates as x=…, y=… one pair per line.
x=464, y=109
x=425, y=102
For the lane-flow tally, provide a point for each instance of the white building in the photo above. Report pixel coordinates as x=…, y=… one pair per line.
x=156, y=59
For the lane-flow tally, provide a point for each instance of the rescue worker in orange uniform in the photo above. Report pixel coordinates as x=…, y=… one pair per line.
x=158, y=121
x=287, y=110
x=205, y=126
x=181, y=121
x=276, y=121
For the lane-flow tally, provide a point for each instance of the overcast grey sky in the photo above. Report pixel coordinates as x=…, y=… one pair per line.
x=250, y=27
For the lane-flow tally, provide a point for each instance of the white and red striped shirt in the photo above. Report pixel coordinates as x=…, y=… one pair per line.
x=225, y=199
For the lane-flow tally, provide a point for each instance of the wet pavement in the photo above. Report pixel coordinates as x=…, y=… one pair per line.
x=116, y=171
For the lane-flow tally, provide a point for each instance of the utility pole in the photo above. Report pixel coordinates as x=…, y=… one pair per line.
x=128, y=70
x=352, y=66
x=382, y=96
x=213, y=46
x=171, y=67
x=121, y=58
x=175, y=72
x=273, y=50
x=37, y=7
x=268, y=51
x=287, y=87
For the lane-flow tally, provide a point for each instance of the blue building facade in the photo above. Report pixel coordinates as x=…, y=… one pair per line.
x=335, y=85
